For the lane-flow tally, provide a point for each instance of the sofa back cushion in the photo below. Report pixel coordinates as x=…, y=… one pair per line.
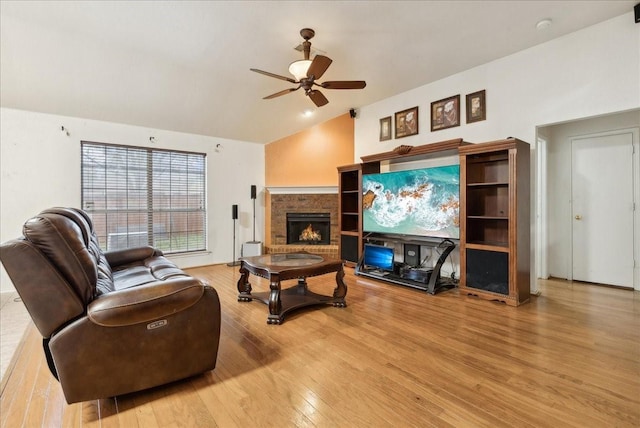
x=64, y=236
x=105, y=281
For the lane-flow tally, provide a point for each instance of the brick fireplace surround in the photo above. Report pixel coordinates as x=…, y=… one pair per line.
x=281, y=204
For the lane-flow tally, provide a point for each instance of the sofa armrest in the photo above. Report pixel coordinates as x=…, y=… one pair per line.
x=145, y=303
x=95, y=361
x=129, y=255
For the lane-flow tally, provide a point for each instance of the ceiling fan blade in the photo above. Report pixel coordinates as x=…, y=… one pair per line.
x=277, y=94
x=317, y=98
x=277, y=76
x=344, y=84
x=318, y=66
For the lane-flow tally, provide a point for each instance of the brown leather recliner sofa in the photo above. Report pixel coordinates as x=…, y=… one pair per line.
x=112, y=322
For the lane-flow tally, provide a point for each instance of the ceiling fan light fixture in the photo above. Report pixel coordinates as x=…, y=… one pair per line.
x=299, y=68
x=307, y=72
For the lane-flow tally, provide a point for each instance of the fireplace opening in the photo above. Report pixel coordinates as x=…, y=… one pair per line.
x=309, y=228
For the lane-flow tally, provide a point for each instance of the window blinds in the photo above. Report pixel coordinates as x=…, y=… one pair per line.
x=142, y=196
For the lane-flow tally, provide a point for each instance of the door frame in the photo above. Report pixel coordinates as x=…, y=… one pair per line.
x=636, y=196
x=541, y=215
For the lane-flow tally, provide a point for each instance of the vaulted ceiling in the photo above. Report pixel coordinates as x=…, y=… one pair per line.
x=184, y=65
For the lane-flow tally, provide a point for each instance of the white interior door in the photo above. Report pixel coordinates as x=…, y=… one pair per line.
x=602, y=209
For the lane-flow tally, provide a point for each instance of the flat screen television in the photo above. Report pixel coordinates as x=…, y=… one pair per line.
x=378, y=257
x=420, y=202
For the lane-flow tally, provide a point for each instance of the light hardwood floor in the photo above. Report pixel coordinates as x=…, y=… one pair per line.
x=394, y=357
x=14, y=320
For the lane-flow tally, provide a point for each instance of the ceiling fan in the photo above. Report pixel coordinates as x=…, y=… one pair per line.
x=306, y=72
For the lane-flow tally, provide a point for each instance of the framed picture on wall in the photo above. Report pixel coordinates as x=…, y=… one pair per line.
x=476, y=107
x=407, y=122
x=445, y=113
x=385, y=128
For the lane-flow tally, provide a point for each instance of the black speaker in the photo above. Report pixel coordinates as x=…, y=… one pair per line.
x=412, y=255
x=253, y=191
x=636, y=10
x=488, y=270
x=352, y=113
x=349, y=248
x=234, y=212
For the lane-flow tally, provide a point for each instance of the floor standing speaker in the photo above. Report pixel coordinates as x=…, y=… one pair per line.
x=252, y=248
x=234, y=217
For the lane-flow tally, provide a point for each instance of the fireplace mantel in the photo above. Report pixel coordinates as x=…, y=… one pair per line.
x=302, y=190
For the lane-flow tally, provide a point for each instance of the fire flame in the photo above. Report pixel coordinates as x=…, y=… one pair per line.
x=308, y=234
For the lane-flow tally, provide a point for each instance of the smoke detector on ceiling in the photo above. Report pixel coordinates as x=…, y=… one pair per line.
x=543, y=24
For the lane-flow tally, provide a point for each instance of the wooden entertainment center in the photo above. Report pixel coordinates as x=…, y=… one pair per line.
x=494, y=212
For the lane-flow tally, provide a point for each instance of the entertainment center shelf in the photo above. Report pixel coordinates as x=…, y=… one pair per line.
x=487, y=200
x=350, y=189
x=494, y=212
x=494, y=221
x=350, y=210
x=427, y=279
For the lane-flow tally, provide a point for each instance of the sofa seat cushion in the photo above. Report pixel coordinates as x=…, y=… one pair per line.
x=146, y=271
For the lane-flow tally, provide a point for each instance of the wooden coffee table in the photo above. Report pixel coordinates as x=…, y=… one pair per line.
x=280, y=267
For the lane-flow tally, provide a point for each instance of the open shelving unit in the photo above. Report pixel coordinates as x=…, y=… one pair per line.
x=350, y=210
x=494, y=221
x=487, y=200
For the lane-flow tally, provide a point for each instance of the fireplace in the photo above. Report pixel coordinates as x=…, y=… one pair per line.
x=279, y=204
x=309, y=228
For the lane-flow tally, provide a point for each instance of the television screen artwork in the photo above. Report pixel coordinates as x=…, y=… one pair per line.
x=422, y=202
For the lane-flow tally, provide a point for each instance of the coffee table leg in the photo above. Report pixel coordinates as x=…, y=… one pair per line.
x=244, y=287
x=275, y=304
x=302, y=285
x=341, y=290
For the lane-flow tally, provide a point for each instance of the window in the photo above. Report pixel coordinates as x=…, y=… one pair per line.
x=141, y=196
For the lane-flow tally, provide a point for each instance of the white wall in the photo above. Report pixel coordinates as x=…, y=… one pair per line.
x=40, y=168
x=588, y=73
x=592, y=72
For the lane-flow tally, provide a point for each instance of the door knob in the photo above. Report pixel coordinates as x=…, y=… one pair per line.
x=578, y=217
